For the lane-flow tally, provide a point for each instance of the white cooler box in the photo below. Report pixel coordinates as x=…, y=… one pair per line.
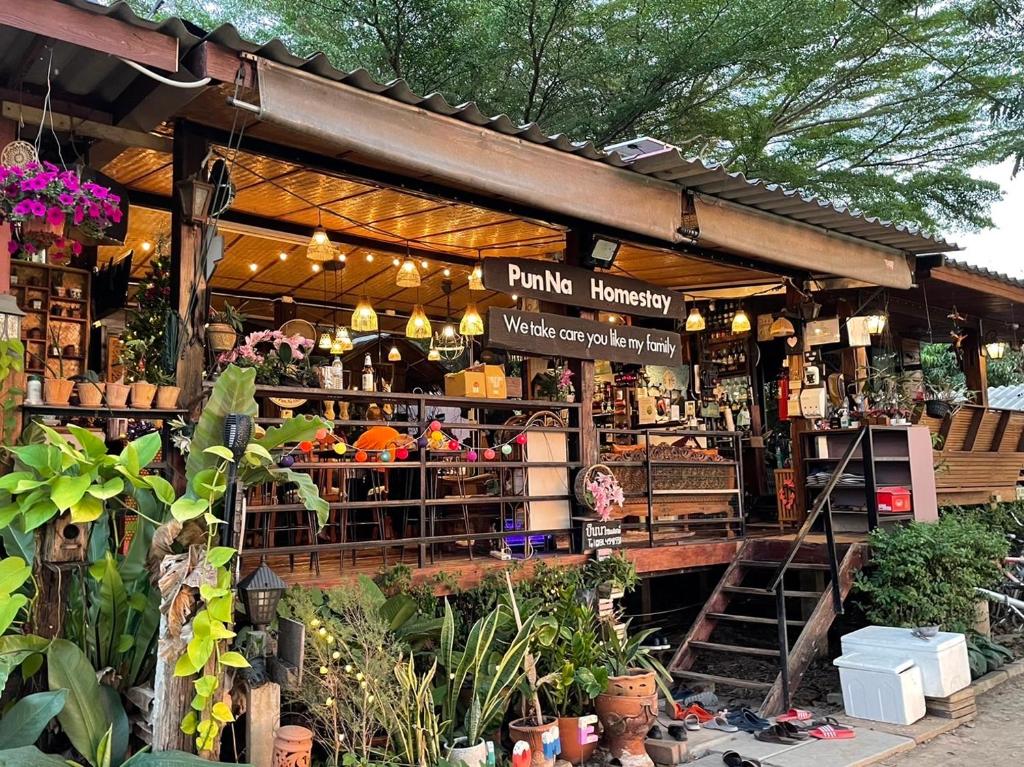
x=881, y=687
x=942, y=659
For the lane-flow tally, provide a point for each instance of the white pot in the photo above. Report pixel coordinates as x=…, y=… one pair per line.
x=470, y=756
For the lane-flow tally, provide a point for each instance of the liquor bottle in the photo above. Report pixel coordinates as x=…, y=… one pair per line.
x=337, y=374
x=367, y=374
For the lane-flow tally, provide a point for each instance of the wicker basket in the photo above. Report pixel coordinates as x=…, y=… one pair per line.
x=579, y=486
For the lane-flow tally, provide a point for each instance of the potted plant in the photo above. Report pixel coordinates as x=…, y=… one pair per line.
x=89, y=389
x=56, y=388
x=167, y=392
x=629, y=704
x=944, y=396
x=117, y=393
x=224, y=328
x=597, y=489
x=889, y=396
x=276, y=357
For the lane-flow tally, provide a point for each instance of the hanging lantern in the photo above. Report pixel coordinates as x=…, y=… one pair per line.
x=476, y=278
x=472, y=323
x=342, y=337
x=325, y=341
x=394, y=355
x=695, y=321
x=364, y=318
x=10, y=318
x=740, y=322
x=782, y=327
x=995, y=349
x=418, y=325
x=433, y=355
x=320, y=247
x=408, y=274
x=875, y=323
x=259, y=592
x=448, y=343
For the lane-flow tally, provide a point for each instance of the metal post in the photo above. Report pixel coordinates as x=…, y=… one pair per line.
x=737, y=456
x=833, y=559
x=423, y=452
x=870, y=491
x=650, y=491
x=780, y=607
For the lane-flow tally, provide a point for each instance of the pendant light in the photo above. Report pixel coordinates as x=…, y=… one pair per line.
x=472, y=323
x=342, y=338
x=364, y=318
x=325, y=342
x=740, y=322
x=394, y=355
x=782, y=327
x=995, y=349
x=320, y=247
x=476, y=277
x=695, y=321
x=447, y=342
x=418, y=326
x=875, y=323
x=408, y=274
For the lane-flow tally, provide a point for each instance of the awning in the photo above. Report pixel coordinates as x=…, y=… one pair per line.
x=337, y=119
x=749, y=232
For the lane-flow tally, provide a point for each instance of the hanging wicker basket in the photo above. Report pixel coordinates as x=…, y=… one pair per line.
x=583, y=497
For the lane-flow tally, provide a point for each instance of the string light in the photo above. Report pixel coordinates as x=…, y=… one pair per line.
x=316, y=268
x=146, y=246
x=408, y=275
x=396, y=262
x=253, y=267
x=369, y=258
x=446, y=272
x=283, y=256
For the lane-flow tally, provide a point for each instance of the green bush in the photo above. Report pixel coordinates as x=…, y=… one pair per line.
x=925, y=574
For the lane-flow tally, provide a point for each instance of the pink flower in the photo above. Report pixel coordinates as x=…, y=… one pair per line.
x=79, y=215
x=55, y=216
x=66, y=200
x=38, y=208
x=16, y=171
x=23, y=208
x=12, y=247
x=116, y=216
x=94, y=212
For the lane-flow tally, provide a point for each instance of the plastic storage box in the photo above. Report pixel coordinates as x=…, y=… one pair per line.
x=894, y=500
x=881, y=687
x=942, y=659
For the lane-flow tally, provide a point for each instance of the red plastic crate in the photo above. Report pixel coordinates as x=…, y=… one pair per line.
x=894, y=500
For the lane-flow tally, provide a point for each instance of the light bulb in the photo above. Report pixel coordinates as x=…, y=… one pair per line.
x=253, y=267
x=283, y=256
x=695, y=321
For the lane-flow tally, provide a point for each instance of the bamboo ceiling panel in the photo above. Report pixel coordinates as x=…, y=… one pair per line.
x=134, y=165
x=676, y=270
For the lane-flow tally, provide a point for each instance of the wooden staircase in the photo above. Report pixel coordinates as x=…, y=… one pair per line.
x=745, y=610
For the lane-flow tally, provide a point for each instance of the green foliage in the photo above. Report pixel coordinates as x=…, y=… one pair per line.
x=30, y=756
x=925, y=574
x=14, y=574
x=985, y=655
x=623, y=654
x=1009, y=371
x=149, y=349
x=12, y=360
x=229, y=315
x=25, y=721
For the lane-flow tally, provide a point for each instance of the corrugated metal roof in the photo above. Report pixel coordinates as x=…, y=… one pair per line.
x=1006, y=397
x=693, y=174
x=982, y=271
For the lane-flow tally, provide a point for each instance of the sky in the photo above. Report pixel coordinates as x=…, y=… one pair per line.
x=1002, y=247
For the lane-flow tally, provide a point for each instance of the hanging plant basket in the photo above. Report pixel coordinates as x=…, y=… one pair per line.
x=937, y=408
x=584, y=496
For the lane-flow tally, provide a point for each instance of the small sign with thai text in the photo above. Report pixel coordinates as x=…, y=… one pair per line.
x=602, y=535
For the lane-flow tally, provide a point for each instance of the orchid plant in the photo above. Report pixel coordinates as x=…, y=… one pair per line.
x=274, y=355
x=603, y=493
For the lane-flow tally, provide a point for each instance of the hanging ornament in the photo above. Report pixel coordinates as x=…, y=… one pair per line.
x=435, y=426
x=286, y=461
x=321, y=434
x=361, y=456
x=306, y=446
x=471, y=456
x=385, y=456
x=453, y=444
x=401, y=453
x=506, y=450
x=489, y=454
x=340, y=448
x=521, y=439
x=422, y=441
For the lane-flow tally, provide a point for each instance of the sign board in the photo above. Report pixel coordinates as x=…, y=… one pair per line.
x=601, y=535
x=574, y=286
x=552, y=335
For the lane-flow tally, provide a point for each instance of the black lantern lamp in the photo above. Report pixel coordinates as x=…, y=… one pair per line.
x=260, y=591
x=10, y=318
x=196, y=198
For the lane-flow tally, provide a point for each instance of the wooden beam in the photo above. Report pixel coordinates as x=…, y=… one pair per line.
x=64, y=124
x=987, y=285
x=1001, y=426
x=92, y=30
x=972, y=430
x=208, y=59
x=976, y=365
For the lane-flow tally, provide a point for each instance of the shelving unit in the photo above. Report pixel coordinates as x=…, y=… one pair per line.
x=55, y=330
x=889, y=456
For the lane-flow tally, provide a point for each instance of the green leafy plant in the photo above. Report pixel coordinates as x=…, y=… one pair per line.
x=623, y=655
x=985, y=655
x=12, y=360
x=229, y=315
x=412, y=718
x=924, y=574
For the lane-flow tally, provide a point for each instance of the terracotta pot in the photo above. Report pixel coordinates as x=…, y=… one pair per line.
x=90, y=394
x=470, y=756
x=293, y=747
x=167, y=397
x=57, y=391
x=117, y=394
x=521, y=729
x=142, y=394
x=573, y=751
x=221, y=336
x=627, y=710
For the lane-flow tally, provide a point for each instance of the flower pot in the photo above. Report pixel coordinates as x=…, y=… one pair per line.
x=470, y=756
x=293, y=746
x=573, y=751
x=57, y=391
x=221, y=336
x=167, y=397
x=626, y=710
x=90, y=394
x=522, y=729
x=117, y=394
x=142, y=394
x=936, y=408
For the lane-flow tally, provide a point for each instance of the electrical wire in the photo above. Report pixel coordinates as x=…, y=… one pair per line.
x=166, y=80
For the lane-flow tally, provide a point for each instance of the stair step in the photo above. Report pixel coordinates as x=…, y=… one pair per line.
x=754, y=591
x=794, y=566
x=726, y=680
x=761, y=652
x=752, y=619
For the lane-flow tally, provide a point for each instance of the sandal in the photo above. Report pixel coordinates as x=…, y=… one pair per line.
x=776, y=734
x=698, y=711
x=677, y=732
x=692, y=722
x=721, y=723
x=748, y=721
x=795, y=715
x=832, y=732
x=733, y=759
x=792, y=731
x=654, y=733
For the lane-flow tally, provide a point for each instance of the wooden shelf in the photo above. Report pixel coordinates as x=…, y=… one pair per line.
x=72, y=331
x=154, y=414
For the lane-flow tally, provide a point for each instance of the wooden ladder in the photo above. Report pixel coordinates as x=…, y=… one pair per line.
x=741, y=600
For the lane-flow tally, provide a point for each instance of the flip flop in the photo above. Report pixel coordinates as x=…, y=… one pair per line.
x=795, y=715
x=692, y=722
x=798, y=733
x=775, y=734
x=693, y=710
x=733, y=759
x=677, y=732
x=721, y=723
x=748, y=721
x=832, y=732
x=654, y=733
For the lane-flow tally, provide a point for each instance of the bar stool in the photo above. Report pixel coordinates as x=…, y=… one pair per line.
x=298, y=523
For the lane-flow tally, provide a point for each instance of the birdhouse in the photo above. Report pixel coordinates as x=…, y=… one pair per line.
x=64, y=541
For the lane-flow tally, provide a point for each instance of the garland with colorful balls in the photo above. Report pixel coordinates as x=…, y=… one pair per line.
x=433, y=436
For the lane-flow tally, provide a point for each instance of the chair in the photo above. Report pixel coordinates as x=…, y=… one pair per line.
x=300, y=523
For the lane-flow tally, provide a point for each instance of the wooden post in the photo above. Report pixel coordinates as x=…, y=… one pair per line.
x=171, y=695
x=976, y=364
x=188, y=281
x=8, y=132
x=583, y=370
x=262, y=718
x=797, y=425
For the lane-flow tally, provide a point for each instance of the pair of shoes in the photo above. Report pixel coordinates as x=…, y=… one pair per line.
x=733, y=759
x=675, y=731
x=721, y=722
x=694, y=710
x=785, y=733
x=747, y=720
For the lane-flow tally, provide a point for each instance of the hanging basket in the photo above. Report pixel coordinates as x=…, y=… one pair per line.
x=583, y=497
x=937, y=408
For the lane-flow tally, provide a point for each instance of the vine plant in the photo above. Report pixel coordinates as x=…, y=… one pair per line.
x=12, y=360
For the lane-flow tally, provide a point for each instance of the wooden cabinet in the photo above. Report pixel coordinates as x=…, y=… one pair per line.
x=55, y=330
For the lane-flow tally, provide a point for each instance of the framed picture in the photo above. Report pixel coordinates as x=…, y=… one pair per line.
x=910, y=353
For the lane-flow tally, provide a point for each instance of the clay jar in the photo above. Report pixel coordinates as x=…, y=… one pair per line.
x=627, y=709
x=142, y=395
x=90, y=393
x=117, y=394
x=524, y=729
x=573, y=751
x=57, y=391
x=293, y=747
x=167, y=397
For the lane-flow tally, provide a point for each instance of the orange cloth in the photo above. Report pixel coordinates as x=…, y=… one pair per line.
x=382, y=438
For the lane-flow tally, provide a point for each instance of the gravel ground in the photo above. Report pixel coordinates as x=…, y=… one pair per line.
x=995, y=737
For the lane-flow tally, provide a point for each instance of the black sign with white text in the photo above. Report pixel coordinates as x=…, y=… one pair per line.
x=552, y=335
x=602, y=535
x=573, y=286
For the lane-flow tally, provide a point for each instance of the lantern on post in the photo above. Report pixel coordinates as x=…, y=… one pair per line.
x=196, y=198
x=260, y=591
x=995, y=349
x=10, y=318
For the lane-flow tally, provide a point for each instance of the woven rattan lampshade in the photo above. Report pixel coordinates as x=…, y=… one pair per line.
x=364, y=318
x=394, y=355
x=342, y=337
x=472, y=323
x=320, y=247
x=434, y=355
x=740, y=322
x=695, y=321
x=324, y=342
x=408, y=275
x=418, y=325
x=476, y=278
